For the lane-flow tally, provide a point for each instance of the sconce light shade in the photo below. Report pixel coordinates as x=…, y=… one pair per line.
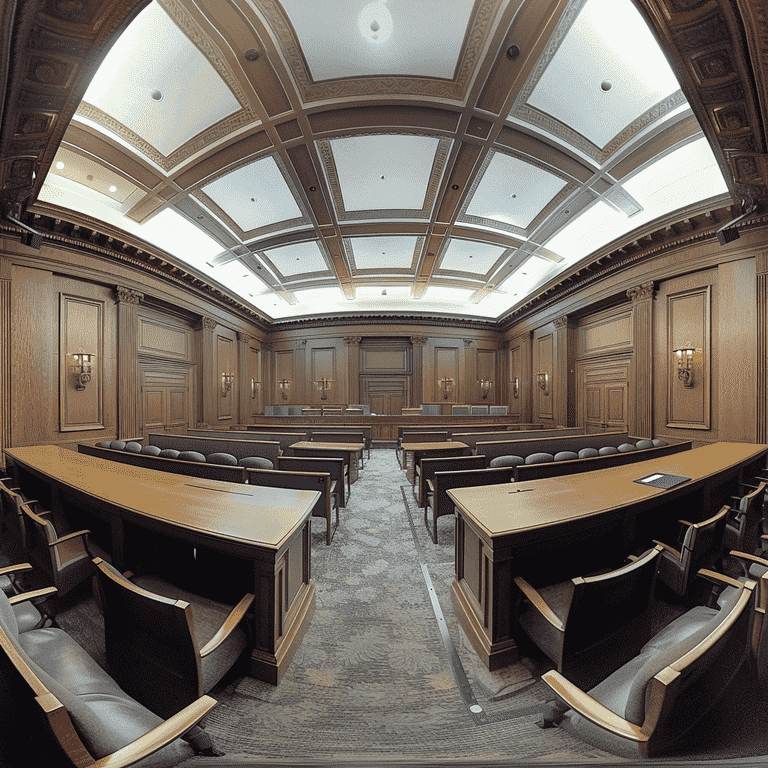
x=543, y=382
x=255, y=386
x=324, y=385
x=284, y=385
x=82, y=368
x=446, y=385
x=684, y=358
x=227, y=379
x=516, y=388
x=485, y=387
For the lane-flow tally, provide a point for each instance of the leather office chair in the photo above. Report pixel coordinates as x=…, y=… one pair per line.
x=649, y=703
x=742, y=527
x=65, y=560
x=602, y=616
x=12, y=528
x=701, y=546
x=183, y=644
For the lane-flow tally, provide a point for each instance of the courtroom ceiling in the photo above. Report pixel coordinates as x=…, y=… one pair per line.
x=439, y=156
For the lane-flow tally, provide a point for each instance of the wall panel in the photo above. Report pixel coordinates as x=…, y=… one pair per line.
x=544, y=364
x=446, y=367
x=225, y=370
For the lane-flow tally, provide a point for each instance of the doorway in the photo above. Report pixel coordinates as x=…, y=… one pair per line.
x=604, y=395
x=386, y=395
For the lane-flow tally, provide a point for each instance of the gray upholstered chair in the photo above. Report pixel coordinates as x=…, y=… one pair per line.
x=588, y=453
x=646, y=705
x=742, y=527
x=566, y=456
x=498, y=410
x=478, y=410
x=13, y=527
x=182, y=643
x=701, y=545
x=222, y=458
x=506, y=461
x=539, y=458
x=603, y=616
x=64, y=558
x=460, y=410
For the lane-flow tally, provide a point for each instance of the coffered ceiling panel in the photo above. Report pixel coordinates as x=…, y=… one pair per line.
x=383, y=254
x=156, y=84
x=383, y=37
x=470, y=257
x=299, y=259
x=240, y=279
x=255, y=195
x=608, y=64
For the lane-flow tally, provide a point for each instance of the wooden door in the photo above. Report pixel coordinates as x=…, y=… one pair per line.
x=166, y=399
x=386, y=395
x=177, y=410
x=604, y=395
x=153, y=408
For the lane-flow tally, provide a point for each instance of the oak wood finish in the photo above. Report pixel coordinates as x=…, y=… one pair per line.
x=435, y=448
x=264, y=527
x=549, y=528
x=350, y=452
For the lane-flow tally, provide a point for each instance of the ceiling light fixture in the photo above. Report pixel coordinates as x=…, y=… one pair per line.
x=59, y=165
x=113, y=188
x=513, y=52
x=375, y=22
x=251, y=54
x=156, y=95
x=606, y=85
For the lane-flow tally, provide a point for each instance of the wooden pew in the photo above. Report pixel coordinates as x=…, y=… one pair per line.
x=283, y=438
x=425, y=472
x=491, y=449
x=303, y=481
x=238, y=448
x=310, y=464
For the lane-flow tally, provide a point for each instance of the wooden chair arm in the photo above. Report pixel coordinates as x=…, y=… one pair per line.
x=159, y=736
x=431, y=486
x=675, y=552
x=42, y=512
x=719, y=578
x=83, y=534
x=591, y=709
x=538, y=603
x=739, y=556
x=685, y=522
x=15, y=568
x=33, y=594
x=234, y=618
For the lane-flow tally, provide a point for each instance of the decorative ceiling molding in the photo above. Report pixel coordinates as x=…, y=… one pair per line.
x=445, y=321
x=410, y=271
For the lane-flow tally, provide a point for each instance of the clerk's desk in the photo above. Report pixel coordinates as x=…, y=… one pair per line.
x=267, y=527
x=558, y=528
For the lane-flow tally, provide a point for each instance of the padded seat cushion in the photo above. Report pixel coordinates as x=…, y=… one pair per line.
x=256, y=462
x=539, y=458
x=221, y=458
x=191, y=456
x=118, y=445
x=658, y=443
x=608, y=450
x=626, y=448
x=641, y=445
x=150, y=450
x=507, y=461
x=566, y=456
x=169, y=453
x=588, y=453
x=104, y=444
x=133, y=447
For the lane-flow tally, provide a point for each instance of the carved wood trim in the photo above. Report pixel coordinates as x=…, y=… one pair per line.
x=5, y=367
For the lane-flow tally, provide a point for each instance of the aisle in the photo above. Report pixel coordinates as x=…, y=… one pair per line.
x=373, y=676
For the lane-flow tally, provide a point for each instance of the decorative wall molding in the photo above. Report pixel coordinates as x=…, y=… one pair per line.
x=642, y=292
x=352, y=341
x=419, y=341
x=207, y=324
x=128, y=295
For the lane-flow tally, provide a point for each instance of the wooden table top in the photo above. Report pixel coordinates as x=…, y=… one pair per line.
x=441, y=445
x=509, y=508
x=323, y=446
x=265, y=517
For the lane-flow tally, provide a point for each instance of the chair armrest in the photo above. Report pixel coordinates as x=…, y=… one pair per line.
x=739, y=556
x=431, y=486
x=234, y=618
x=160, y=736
x=33, y=594
x=591, y=709
x=672, y=550
x=719, y=578
x=83, y=534
x=15, y=568
x=685, y=522
x=538, y=603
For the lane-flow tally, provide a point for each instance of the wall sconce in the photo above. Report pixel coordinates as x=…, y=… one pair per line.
x=446, y=385
x=284, y=385
x=684, y=357
x=227, y=379
x=324, y=385
x=485, y=387
x=543, y=381
x=515, y=388
x=82, y=368
x=255, y=385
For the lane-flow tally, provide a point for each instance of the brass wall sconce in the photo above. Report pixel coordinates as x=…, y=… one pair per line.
x=227, y=379
x=684, y=357
x=446, y=385
x=82, y=368
x=516, y=388
x=284, y=385
x=485, y=388
x=543, y=382
x=324, y=385
x=255, y=386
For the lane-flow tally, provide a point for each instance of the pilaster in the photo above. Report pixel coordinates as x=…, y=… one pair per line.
x=641, y=416
x=417, y=395
x=761, y=263
x=352, y=347
x=128, y=384
x=209, y=390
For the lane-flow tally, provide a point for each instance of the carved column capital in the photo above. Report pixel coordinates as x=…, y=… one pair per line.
x=504, y=344
x=266, y=346
x=245, y=338
x=128, y=295
x=418, y=341
x=352, y=341
x=563, y=322
x=301, y=343
x=468, y=342
x=207, y=323
x=641, y=292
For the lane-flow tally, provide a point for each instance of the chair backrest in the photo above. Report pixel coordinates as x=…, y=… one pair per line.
x=150, y=633
x=431, y=409
x=332, y=466
x=498, y=410
x=703, y=541
x=460, y=410
x=13, y=520
x=478, y=410
x=425, y=437
x=604, y=604
x=338, y=437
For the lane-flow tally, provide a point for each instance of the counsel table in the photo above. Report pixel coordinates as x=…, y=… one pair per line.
x=558, y=528
x=268, y=527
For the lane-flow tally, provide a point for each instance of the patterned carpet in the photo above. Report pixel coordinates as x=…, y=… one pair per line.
x=380, y=678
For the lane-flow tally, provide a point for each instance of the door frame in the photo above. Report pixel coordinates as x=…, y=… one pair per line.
x=606, y=364
x=171, y=369
x=365, y=378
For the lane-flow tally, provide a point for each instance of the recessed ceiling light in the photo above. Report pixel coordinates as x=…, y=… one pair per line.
x=454, y=186
x=200, y=216
x=59, y=165
x=89, y=177
x=513, y=52
x=251, y=54
x=513, y=196
x=606, y=85
x=156, y=95
x=113, y=188
x=375, y=22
